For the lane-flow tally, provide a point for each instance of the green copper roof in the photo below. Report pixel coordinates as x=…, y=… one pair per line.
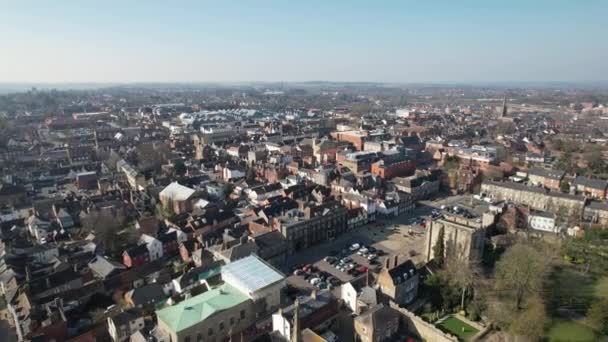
x=209, y=273
x=196, y=309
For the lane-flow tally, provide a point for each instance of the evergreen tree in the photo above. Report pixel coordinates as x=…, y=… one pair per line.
x=439, y=248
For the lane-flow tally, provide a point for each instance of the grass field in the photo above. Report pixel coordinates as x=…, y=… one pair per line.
x=455, y=327
x=568, y=331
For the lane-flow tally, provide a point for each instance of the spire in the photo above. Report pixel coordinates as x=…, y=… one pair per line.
x=295, y=335
x=504, y=108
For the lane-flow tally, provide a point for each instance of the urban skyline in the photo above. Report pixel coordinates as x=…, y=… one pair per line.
x=405, y=42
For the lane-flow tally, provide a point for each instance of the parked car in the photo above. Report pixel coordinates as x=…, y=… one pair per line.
x=298, y=272
x=355, y=246
x=315, y=281
x=329, y=259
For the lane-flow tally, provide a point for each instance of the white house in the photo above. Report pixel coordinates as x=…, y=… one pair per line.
x=124, y=324
x=154, y=246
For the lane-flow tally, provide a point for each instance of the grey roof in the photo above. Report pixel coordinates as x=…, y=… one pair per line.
x=593, y=183
x=524, y=187
x=127, y=316
x=553, y=174
x=103, y=267
x=250, y=274
x=377, y=316
x=309, y=305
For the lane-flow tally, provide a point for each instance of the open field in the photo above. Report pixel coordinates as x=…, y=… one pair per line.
x=562, y=331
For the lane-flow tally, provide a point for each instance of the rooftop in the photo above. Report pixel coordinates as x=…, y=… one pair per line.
x=250, y=274
x=198, y=308
x=177, y=192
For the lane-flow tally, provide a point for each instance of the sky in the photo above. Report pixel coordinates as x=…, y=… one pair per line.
x=434, y=41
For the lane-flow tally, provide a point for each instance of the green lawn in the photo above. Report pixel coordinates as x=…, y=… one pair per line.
x=568, y=331
x=455, y=327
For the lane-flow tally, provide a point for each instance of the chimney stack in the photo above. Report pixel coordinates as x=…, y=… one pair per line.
x=313, y=294
x=395, y=260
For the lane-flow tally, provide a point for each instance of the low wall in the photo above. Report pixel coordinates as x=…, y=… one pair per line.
x=418, y=326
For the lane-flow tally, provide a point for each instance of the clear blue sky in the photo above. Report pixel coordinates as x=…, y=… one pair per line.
x=223, y=40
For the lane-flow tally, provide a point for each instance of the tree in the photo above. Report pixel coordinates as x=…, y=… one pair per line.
x=439, y=248
x=179, y=167
x=521, y=271
x=598, y=315
x=564, y=186
x=250, y=175
x=105, y=224
x=530, y=323
x=462, y=273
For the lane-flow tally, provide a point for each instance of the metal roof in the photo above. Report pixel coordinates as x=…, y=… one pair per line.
x=250, y=274
x=198, y=308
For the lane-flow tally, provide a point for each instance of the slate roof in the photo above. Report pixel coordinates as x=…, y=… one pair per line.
x=377, y=317
x=552, y=174
x=150, y=293
x=593, y=183
x=403, y=271
x=104, y=267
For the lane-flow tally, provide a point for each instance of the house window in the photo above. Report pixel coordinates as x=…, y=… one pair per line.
x=221, y=325
x=199, y=337
x=231, y=320
x=242, y=314
x=210, y=332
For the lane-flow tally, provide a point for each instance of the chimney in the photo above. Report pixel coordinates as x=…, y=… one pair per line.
x=313, y=294
x=28, y=273
x=395, y=260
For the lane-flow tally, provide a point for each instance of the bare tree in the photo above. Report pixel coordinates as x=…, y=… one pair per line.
x=462, y=273
x=521, y=272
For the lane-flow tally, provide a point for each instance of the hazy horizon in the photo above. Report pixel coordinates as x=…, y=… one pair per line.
x=402, y=42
